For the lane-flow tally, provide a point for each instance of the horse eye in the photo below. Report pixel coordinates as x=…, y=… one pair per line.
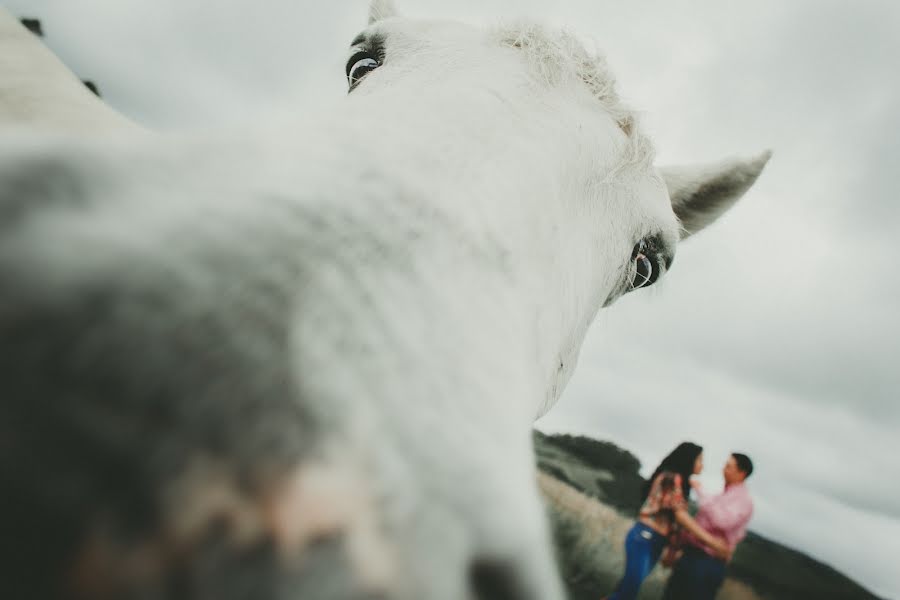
x=358, y=67
x=645, y=266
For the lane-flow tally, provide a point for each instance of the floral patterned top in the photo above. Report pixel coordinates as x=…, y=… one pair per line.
x=665, y=498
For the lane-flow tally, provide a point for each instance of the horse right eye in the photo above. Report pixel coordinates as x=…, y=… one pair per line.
x=359, y=66
x=645, y=265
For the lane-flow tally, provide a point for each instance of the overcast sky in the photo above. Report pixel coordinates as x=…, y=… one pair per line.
x=776, y=332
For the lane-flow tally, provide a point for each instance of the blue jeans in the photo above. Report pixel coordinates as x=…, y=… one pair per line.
x=696, y=576
x=642, y=549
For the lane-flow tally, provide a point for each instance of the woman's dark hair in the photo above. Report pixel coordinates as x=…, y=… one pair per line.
x=680, y=460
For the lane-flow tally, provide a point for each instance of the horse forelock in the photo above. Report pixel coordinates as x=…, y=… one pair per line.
x=559, y=56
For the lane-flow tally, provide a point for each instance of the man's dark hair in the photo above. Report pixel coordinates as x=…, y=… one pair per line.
x=744, y=464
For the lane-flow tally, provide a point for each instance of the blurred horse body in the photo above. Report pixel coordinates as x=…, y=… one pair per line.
x=303, y=361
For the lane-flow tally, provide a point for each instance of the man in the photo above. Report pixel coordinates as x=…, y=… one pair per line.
x=699, y=573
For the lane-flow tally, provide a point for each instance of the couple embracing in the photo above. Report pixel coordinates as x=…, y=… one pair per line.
x=697, y=548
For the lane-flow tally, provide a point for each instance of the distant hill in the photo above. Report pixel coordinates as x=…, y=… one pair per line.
x=598, y=503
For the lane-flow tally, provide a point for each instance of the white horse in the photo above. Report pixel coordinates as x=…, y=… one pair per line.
x=304, y=362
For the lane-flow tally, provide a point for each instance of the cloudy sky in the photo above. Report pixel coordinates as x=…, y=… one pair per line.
x=776, y=332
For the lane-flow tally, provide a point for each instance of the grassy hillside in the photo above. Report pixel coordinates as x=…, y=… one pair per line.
x=589, y=535
x=593, y=491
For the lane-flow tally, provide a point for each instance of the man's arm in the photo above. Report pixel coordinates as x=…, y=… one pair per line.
x=719, y=545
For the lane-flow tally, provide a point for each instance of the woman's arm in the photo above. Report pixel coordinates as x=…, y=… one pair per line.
x=685, y=519
x=698, y=489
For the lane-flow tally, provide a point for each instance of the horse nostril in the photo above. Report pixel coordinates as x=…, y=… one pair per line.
x=491, y=579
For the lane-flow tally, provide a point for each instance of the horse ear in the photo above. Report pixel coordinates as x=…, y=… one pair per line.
x=700, y=194
x=381, y=9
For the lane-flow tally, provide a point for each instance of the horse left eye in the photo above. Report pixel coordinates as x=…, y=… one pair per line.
x=358, y=67
x=646, y=267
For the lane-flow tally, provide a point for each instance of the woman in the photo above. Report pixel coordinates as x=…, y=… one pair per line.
x=663, y=512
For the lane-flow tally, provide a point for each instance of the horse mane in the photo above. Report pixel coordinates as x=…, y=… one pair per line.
x=560, y=57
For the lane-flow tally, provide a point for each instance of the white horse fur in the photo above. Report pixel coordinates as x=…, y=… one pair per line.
x=303, y=362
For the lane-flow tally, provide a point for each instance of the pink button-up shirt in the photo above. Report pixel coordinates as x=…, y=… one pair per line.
x=724, y=515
